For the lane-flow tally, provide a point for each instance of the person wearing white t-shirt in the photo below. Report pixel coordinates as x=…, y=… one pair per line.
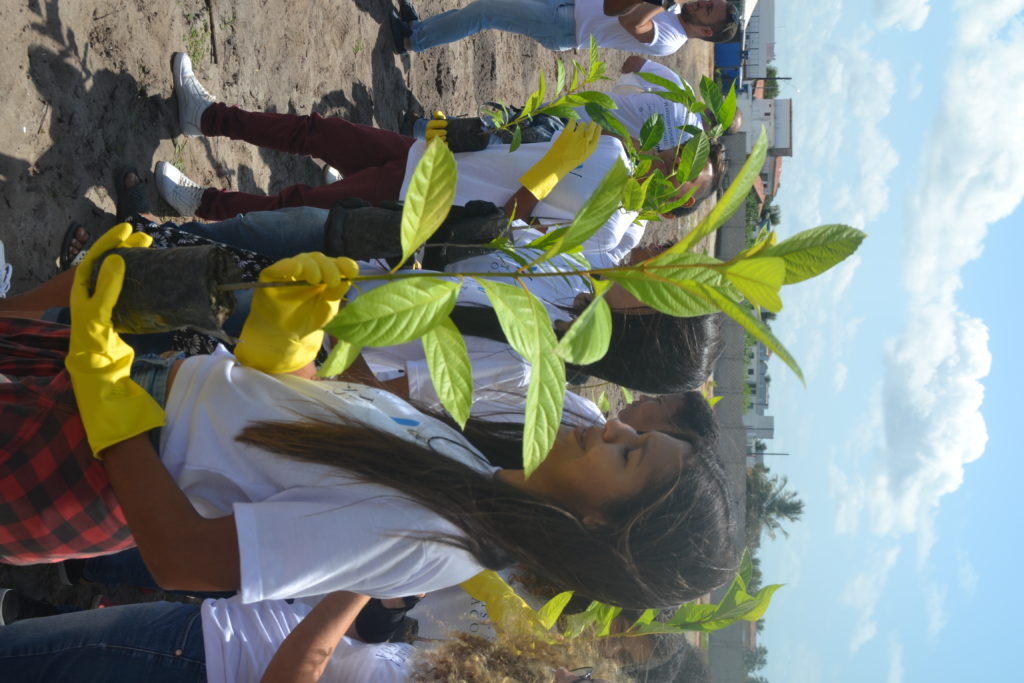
x=274, y=641
x=276, y=486
x=565, y=24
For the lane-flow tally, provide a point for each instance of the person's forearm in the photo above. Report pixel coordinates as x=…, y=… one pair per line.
x=638, y=22
x=304, y=654
x=182, y=549
x=521, y=205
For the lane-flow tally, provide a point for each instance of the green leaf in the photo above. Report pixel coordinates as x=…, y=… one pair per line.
x=759, y=279
x=395, y=313
x=577, y=71
x=733, y=198
x=553, y=608
x=711, y=94
x=342, y=355
x=651, y=132
x=601, y=117
x=599, y=207
x=596, y=65
x=564, y=111
x=627, y=395
x=812, y=252
x=693, y=157
x=587, y=339
x=429, y=198
x=755, y=327
x=602, y=402
x=559, y=76
x=727, y=110
x=450, y=370
x=659, y=283
x=645, y=618
x=692, y=613
x=634, y=194
x=526, y=325
x=517, y=139
x=598, y=616
x=746, y=569
x=544, y=400
x=599, y=98
x=672, y=91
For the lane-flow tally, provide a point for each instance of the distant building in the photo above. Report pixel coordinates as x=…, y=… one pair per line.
x=760, y=426
x=758, y=37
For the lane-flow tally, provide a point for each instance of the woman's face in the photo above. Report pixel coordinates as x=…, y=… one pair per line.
x=653, y=413
x=589, y=468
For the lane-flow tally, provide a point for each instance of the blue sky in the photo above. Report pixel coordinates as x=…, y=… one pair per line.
x=908, y=124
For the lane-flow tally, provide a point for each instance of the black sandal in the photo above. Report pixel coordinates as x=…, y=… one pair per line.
x=66, y=259
x=131, y=200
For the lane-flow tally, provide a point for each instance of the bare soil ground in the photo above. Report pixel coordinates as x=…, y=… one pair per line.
x=87, y=91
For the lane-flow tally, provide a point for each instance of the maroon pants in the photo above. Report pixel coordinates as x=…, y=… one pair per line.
x=372, y=160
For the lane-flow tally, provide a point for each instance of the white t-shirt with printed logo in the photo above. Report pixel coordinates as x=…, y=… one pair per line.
x=240, y=640
x=591, y=20
x=307, y=529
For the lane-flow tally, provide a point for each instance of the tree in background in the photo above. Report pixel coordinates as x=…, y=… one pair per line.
x=769, y=505
x=756, y=659
x=771, y=85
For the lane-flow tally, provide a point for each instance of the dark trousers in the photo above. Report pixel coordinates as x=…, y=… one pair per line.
x=372, y=160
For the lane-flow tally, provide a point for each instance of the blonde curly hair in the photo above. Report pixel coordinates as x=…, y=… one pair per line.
x=467, y=658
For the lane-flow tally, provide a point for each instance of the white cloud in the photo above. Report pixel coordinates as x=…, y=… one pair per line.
x=863, y=592
x=895, y=661
x=909, y=15
x=935, y=607
x=970, y=178
x=977, y=27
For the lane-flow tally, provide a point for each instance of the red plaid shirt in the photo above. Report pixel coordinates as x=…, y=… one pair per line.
x=55, y=501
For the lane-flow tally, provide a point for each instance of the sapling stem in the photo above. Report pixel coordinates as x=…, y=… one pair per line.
x=235, y=286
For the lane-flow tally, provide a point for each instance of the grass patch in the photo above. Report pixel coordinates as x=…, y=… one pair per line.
x=197, y=40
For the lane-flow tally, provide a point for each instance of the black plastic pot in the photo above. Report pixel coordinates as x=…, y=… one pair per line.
x=171, y=289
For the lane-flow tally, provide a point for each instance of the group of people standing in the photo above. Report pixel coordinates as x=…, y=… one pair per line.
x=328, y=508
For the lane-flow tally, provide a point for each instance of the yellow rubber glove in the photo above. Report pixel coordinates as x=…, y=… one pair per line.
x=570, y=149
x=437, y=127
x=113, y=408
x=506, y=610
x=284, y=329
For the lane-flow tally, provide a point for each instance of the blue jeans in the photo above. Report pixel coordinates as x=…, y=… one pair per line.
x=275, y=234
x=126, y=568
x=157, y=642
x=552, y=23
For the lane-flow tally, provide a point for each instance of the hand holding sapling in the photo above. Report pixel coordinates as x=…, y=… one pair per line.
x=284, y=329
x=113, y=408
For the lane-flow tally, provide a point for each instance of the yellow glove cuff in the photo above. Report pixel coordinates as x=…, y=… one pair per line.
x=505, y=608
x=540, y=181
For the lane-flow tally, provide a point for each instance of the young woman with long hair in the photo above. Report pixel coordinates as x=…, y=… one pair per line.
x=278, y=486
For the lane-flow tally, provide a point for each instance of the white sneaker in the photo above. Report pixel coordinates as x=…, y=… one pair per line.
x=193, y=99
x=177, y=190
x=6, y=270
x=331, y=174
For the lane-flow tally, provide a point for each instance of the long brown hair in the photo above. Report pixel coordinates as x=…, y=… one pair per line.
x=669, y=544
